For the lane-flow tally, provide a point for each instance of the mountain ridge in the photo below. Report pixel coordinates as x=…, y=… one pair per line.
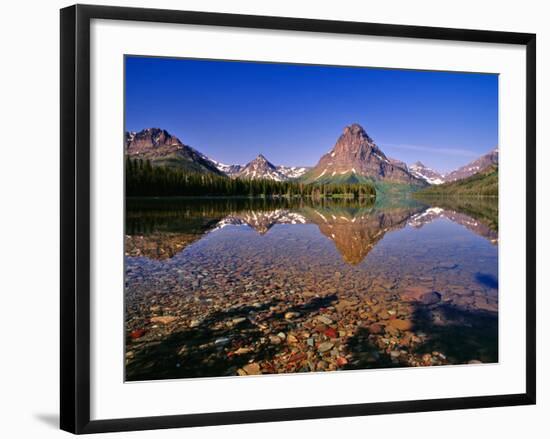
x=355, y=158
x=478, y=165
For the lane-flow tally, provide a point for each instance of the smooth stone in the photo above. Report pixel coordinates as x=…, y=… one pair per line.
x=292, y=339
x=431, y=298
x=274, y=339
x=326, y=346
x=242, y=351
x=291, y=315
x=324, y=320
x=252, y=369
x=164, y=320
x=402, y=325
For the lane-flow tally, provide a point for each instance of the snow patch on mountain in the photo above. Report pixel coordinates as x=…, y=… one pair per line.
x=427, y=174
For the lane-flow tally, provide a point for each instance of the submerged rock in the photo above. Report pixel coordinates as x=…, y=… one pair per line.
x=252, y=369
x=431, y=298
x=164, y=320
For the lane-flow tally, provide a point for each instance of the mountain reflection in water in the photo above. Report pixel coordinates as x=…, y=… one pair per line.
x=161, y=228
x=217, y=287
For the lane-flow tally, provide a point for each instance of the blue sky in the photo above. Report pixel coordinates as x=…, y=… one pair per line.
x=232, y=111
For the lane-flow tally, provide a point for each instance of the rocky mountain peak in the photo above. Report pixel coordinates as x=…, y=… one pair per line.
x=355, y=157
x=260, y=159
x=356, y=130
x=164, y=149
x=261, y=168
x=150, y=139
x=354, y=140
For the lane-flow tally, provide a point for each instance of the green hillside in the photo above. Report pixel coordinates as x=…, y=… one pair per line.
x=383, y=187
x=347, y=178
x=482, y=184
x=184, y=164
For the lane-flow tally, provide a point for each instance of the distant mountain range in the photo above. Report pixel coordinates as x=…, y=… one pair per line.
x=355, y=158
x=478, y=165
x=260, y=167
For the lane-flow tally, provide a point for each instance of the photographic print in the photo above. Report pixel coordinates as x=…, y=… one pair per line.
x=291, y=218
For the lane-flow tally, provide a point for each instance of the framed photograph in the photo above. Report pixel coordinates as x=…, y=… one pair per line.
x=268, y=219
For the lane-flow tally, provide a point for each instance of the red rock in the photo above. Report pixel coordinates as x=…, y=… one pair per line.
x=341, y=361
x=297, y=357
x=137, y=333
x=331, y=333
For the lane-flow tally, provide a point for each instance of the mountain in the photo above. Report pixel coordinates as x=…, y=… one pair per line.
x=163, y=149
x=478, y=165
x=229, y=170
x=484, y=183
x=356, y=158
x=292, y=172
x=398, y=163
x=260, y=168
x=420, y=170
x=286, y=172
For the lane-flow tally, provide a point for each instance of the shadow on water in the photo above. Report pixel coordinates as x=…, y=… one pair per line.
x=199, y=352
x=365, y=354
x=487, y=280
x=463, y=335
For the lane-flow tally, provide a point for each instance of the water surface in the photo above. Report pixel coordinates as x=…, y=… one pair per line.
x=219, y=287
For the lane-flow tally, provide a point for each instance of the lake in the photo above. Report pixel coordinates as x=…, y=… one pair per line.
x=221, y=287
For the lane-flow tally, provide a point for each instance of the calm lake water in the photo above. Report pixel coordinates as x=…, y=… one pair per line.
x=218, y=287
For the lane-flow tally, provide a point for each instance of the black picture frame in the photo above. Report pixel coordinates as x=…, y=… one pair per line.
x=75, y=217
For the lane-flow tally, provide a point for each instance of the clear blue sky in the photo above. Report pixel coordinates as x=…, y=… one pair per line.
x=231, y=111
